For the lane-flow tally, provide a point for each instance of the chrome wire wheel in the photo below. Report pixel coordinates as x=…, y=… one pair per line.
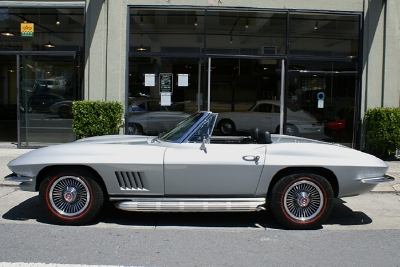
x=303, y=200
x=69, y=196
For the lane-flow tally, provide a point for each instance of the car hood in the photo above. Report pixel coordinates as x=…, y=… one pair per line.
x=101, y=149
x=116, y=139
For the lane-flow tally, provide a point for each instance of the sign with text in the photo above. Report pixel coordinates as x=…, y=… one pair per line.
x=166, y=85
x=27, y=29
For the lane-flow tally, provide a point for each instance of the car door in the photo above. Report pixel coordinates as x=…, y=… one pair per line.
x=220, y=169
x=261, y=117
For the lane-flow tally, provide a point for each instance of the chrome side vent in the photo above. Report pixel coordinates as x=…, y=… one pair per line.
x=130, y=180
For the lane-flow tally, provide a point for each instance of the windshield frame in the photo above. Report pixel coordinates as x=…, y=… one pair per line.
x=183, y=130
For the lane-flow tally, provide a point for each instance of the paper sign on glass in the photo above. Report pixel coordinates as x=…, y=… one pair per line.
x=149, y=80
x=165, y=99
x=183, y=80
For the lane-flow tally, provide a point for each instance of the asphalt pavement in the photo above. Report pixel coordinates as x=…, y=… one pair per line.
x=9, y=151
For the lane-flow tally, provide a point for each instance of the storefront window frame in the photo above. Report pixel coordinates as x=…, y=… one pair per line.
x=287, y=57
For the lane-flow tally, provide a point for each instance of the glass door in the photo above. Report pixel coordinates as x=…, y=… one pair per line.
x=8, y=98
x=47, y=87
x=327, y=91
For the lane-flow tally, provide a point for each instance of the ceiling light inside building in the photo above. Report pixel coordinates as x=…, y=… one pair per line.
x=141, y=48
x=49, y=44
x=316, y=25
x=7, y=33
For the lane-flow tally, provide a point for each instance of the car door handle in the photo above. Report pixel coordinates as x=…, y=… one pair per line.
x=251, y=158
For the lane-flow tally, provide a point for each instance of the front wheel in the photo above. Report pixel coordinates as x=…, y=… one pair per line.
x=72, y=197
x=227, y=127
x=301, y=201
x=134, y=129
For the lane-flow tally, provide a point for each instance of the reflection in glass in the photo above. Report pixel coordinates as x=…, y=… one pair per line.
x=48, y=88
x=327, y=90
x=324, y=34
x=246, y=33
x=47, y=34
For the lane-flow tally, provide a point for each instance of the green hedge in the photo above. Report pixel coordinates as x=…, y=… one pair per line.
x=383, y=130
x=95, y=118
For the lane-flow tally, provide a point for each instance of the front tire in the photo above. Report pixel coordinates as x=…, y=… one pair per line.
x=134, y=129
x=227, y=127
x=301, y=201
x=71, y=197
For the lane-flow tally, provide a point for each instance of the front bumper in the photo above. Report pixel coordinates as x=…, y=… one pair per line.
x=26, y=183
x=377, y=180
x=12, y=177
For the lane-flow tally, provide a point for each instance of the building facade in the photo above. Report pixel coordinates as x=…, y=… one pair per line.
x=331, y=61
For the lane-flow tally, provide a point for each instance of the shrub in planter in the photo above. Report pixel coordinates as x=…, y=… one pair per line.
x=95, y=118
x=383, y=130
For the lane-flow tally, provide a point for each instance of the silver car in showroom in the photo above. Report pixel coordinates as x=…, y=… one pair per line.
x=148, y=116
x=189, y=170
x=265, y=115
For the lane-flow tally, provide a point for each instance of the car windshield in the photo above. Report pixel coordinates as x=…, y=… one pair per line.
x=182, y=128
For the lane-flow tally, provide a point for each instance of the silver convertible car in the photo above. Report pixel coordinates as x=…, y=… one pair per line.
x=188, y=170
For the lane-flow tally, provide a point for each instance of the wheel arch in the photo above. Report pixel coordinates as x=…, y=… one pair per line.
x=326, y=173
x=43, y=173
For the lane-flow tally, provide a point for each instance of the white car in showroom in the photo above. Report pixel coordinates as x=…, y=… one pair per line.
x=148, y=116
x=265, y=115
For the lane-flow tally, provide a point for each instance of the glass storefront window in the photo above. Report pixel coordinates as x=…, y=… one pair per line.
x=325, y=35
x=41, y=29
x=327, y=91
x=167, y=31
x=236, y=56
x=246, y=33
x=41, y=51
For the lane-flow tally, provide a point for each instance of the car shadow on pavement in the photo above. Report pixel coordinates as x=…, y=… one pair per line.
x=343, y=215
x=30, y=209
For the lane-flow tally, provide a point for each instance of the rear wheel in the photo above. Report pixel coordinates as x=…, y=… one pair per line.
x=301, y=201
x=65, y=112
x=290, y=130
x=227, y=127
x=72, y=197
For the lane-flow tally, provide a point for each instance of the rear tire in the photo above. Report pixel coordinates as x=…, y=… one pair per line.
x=301, y=201
x=65, y=112
x=71, y=197
x=291, y=130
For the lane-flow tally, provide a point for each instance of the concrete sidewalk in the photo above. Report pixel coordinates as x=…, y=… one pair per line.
x=9, y=151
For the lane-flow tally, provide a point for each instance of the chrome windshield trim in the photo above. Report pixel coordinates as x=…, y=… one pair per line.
x=377, y=180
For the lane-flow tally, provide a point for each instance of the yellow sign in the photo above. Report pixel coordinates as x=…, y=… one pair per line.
x=27, y=29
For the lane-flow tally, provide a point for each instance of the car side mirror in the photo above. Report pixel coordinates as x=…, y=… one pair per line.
x=203, y=145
